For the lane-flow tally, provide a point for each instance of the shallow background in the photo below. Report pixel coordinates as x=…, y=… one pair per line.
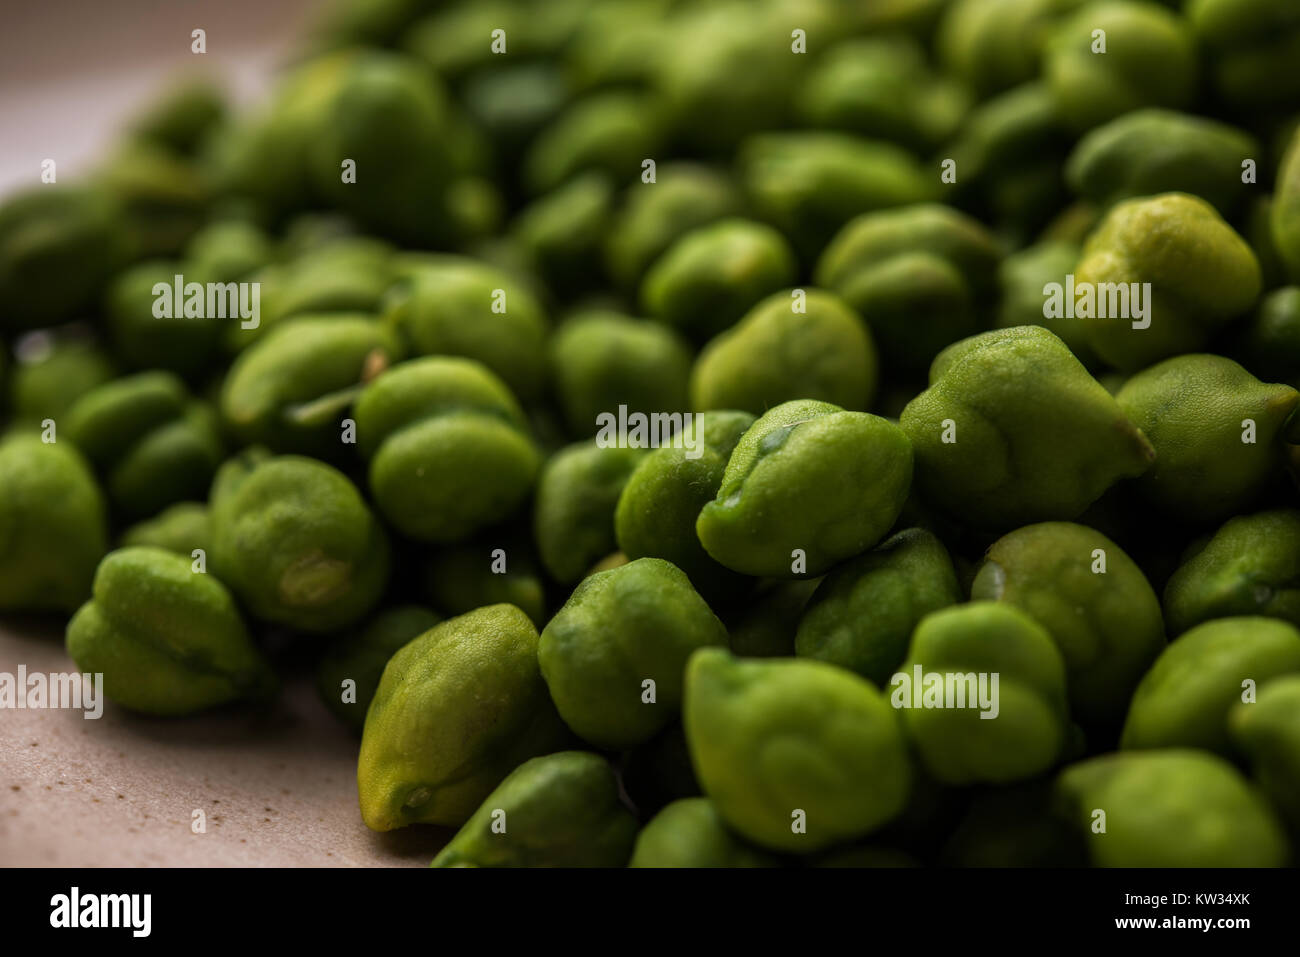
x=278, y=788
x=72, y=72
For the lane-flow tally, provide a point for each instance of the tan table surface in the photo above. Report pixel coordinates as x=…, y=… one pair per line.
x=73, y=73
x=278, y=788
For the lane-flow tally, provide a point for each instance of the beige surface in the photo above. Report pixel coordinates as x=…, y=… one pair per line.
x=73, y=72
x=278, y=788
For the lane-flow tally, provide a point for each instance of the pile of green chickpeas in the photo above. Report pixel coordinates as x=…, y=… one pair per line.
x=845, y=252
